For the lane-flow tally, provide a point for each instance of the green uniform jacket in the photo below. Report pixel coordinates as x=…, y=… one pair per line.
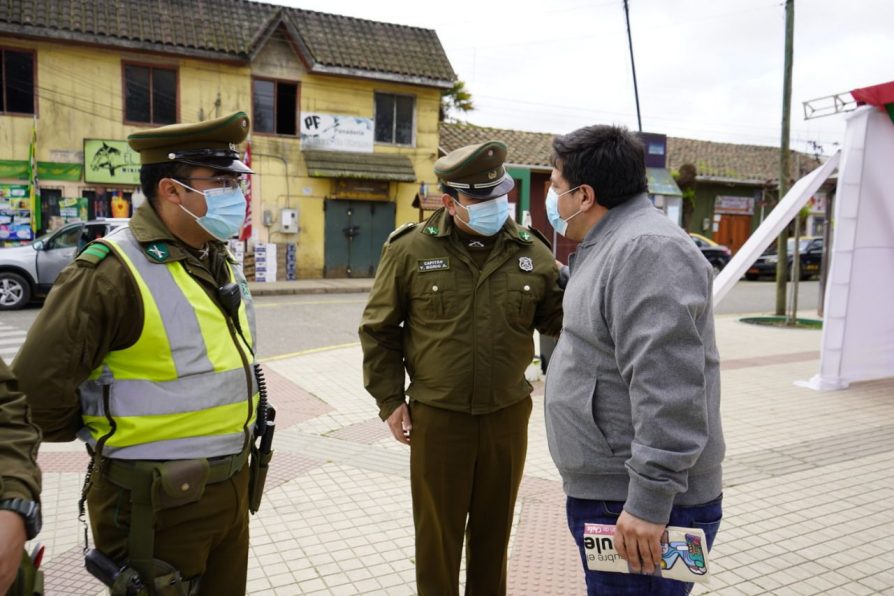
x=19, y=439
x=463, y=334
x=94, y=308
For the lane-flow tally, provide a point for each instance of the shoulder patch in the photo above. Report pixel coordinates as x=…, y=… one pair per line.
x=537, y=234
x=94, y=253
x=401, y=231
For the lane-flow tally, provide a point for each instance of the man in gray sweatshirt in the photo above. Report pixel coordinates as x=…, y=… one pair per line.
x=633, y=387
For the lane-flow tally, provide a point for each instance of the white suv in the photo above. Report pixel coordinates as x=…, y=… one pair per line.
x=30, y=270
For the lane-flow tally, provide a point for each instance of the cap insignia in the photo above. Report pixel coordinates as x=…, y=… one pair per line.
x=171, y=156
x=525, y=264
x=492, y=174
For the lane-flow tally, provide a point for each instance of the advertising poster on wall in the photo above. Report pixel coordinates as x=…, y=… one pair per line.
x=110, y=162
x=73, y=209
x=332, y=132
x=15, y=213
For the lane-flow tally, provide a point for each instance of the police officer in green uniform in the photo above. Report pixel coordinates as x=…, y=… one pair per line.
x=455, y=303
x=144, y=350
x=19, y=479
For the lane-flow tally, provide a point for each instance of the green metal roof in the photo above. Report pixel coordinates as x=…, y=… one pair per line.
x=365, y=166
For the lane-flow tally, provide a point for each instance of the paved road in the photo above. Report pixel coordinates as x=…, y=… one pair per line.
x=294, y=324
x=760, y=297
x=286, y=324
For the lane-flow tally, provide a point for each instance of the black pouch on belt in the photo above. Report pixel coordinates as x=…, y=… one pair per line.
x=179, y=482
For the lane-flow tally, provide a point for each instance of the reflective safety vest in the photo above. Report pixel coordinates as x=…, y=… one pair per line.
x=185, y=389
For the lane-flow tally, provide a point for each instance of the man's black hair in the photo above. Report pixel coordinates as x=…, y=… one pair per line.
x=151, y=174
x=449, y=190
x=611, y=159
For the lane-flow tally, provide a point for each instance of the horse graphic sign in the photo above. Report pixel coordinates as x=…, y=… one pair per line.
x=110, y=162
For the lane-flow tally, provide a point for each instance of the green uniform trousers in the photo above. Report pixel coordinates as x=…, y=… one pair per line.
x=208, y=538
x=465, y=471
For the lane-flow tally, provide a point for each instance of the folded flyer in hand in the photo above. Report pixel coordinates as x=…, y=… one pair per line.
x=684, y=552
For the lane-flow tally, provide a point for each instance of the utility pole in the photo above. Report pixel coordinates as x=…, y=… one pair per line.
x=785, y=155
x=639, y=120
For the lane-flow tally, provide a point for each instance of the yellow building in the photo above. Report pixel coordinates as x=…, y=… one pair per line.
x=344, y=114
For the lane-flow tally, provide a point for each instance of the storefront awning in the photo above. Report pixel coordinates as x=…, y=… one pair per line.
x=366, y=166
x=662, y=183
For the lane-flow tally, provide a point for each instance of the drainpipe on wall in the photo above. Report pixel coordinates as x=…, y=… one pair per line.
x=286, y=167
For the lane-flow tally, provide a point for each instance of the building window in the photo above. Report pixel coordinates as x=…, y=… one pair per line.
x=150, y=94
x=275, y=107
x=394, y=119
x=17, y=74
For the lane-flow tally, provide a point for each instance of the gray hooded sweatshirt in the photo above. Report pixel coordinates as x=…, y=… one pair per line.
x=633, y=387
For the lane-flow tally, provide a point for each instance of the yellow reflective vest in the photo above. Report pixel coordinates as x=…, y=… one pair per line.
x=185, y=389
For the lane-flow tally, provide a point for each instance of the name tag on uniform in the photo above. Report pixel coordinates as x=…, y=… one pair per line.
x=439, y=264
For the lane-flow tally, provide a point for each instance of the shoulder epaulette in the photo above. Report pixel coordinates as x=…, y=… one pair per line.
x=94, y=253
x=538, y=234
x=401, y=231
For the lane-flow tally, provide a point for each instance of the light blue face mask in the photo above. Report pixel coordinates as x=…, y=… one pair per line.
x=552, y=210
x=487, y=217
x=225, y=211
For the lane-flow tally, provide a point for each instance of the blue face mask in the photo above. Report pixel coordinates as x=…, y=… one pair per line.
x=552, y=210
x=225, y=211
x=487, y=217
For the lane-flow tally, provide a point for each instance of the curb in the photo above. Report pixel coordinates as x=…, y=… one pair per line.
x=260, y=290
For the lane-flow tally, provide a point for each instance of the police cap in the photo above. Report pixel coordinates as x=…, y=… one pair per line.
x=210, y=144
x=476, y=170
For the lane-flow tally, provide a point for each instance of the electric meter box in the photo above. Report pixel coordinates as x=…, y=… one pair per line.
x=288, y=219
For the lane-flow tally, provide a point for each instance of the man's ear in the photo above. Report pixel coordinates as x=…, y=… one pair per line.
x=589, y=197
x=447, y=201
x=168, y=191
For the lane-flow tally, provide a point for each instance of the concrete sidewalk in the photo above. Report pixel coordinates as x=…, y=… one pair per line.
x=310, y=286
x=809, y=486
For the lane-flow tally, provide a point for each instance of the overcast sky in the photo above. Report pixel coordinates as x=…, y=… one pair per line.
x=706, y=69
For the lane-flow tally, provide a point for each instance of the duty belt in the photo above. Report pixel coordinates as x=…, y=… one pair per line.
x=121, y=471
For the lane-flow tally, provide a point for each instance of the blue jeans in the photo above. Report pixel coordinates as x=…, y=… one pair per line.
x=583, y=511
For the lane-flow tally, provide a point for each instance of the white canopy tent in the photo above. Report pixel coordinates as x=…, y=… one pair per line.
x=858, y=330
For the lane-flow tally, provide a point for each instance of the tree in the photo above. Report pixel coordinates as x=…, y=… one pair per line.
x=685, y=179
x=455, y=100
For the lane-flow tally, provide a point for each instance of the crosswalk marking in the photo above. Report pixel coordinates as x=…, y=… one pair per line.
x=11, y=339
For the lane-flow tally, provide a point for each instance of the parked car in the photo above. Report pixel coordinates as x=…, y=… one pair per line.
x=717, y=254
x=810, y=249
x=30, y=270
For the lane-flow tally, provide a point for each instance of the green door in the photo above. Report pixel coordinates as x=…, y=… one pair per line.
x=355, y=233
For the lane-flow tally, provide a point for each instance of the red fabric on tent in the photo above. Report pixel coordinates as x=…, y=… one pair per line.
x=877, y=95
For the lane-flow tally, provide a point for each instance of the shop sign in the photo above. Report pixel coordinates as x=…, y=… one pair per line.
x=734, y=205
x=350, y=188
x=111, y=162
x=15, y=212
x=332, y=132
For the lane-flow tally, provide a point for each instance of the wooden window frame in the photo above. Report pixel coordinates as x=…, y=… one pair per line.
x=34, y=93
x=150, y=66
x=276, y=81
x=412, y=143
